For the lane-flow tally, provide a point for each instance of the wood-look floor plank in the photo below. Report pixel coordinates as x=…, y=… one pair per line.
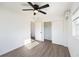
x=44, y=49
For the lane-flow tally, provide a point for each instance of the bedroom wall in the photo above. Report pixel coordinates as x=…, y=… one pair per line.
x=58, y=31
x=14, y=30
x=73, y=42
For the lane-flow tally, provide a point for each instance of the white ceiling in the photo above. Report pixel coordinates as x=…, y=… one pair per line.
x=55, y=9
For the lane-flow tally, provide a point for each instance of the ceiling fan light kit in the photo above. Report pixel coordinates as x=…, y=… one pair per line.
x=36, y=8
x=35, y=11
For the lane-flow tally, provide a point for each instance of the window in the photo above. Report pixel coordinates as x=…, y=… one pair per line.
x=75, y=27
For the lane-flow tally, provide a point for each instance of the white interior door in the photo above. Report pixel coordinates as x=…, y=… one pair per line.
x=47, y=31
x=32, y=29
x=39, y=31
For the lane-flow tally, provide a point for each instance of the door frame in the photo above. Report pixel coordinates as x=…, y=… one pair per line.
x=50, y=29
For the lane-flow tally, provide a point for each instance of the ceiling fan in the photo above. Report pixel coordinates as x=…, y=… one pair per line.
x=36, y=8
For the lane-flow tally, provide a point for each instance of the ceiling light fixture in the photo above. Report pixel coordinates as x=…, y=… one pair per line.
x=35, y=11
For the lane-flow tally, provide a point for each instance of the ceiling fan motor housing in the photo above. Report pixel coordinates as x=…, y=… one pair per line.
x=36, y=7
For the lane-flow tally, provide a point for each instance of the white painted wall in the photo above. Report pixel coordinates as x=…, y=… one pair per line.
x=72, y=41
x=58, y=33
x=14, y=30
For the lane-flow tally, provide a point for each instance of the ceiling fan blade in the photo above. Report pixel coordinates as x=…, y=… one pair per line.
x=44, y=6
x=27, y=9
x=42, y=12
x=31, y=4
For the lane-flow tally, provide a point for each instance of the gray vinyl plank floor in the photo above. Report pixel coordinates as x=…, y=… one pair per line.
x=43, y=49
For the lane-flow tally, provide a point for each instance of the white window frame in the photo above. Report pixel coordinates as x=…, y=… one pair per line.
x=75, y=27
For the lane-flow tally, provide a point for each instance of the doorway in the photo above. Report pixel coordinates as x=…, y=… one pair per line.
x=48, y=31
x=41, y=31
x=33, y=30
x=37, y=31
